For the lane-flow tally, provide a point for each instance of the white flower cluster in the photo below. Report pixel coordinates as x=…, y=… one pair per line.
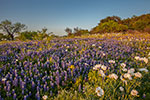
x=124, y=77
x=123, y=65
x=131, y=73
x=101, y=69
x=111, y=61
x=141, y=59
x=98, y=66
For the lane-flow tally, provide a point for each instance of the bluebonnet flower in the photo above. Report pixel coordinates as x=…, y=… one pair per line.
x=25, y=97
x=14, y=96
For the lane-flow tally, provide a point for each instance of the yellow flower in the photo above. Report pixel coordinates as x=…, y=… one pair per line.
x=78, y=81
x=72, y=67
x=40, y=49
x=81, y=51
x=89, y=78
x=50, y=59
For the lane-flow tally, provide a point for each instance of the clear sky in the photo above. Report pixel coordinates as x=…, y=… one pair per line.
x=56, y=15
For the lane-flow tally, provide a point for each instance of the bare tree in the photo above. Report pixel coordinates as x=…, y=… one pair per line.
x=11, y=29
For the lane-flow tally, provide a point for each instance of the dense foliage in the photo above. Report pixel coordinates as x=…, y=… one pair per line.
x=77, y=32
x=99, y=67
x=115, y=24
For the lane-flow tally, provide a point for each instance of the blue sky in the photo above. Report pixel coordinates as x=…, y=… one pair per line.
x=56, y=15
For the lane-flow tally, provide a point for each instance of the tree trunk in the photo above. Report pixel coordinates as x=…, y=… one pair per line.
x=9, y=33
x=12, y=37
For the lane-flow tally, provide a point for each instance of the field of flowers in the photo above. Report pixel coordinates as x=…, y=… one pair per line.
x=106, y=67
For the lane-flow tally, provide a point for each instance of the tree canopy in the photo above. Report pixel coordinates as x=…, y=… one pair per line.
x=112, y=24
x=11, y=29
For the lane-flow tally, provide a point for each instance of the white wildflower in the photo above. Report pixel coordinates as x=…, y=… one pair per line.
x=124, y=69
x=111, y=61
x=134, y=92
x=93, y=45
x=114, y=76
x=99, y=47
x=103, y=54
x=138, y=74
x=102, y=73
x=121, y=88
x=123, y=65
x=86, y=64
x=94, y=68
x=99, y=91
x=131, y=71
x=127, y=75
x=45, y=97
x=144, y=59
x=98, y=66
x=125, y=81
x=143, y=69
x=103, y=67
x=3, y=79
x=137, y=57
x=148, y=48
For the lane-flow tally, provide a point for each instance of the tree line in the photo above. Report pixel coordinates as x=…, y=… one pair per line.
x=110, y=24
x=12, y=31
x=114, y=24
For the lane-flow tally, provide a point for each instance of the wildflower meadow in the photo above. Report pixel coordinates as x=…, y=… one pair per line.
x=95, y=67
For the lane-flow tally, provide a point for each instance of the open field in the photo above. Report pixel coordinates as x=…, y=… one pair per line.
x=109, y=66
